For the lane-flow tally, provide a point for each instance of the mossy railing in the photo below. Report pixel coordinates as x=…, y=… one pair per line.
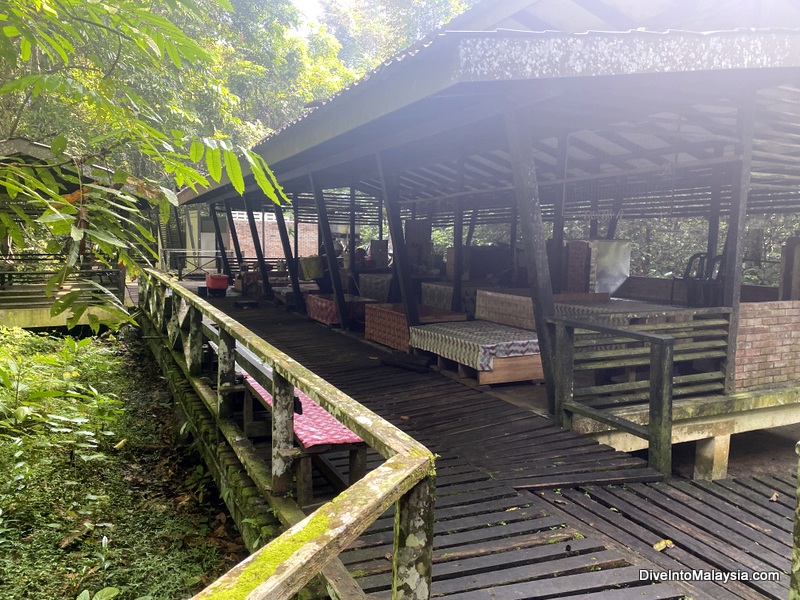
x=310, y=546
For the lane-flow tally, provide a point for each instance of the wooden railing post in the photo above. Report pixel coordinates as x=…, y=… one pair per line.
x=282, y=434
x=226, y=373
x=413, y=543
x=564, y=376
x=660, y=427
x=194, y=342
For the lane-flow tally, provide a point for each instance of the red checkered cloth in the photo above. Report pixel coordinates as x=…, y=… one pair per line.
x=316, y=426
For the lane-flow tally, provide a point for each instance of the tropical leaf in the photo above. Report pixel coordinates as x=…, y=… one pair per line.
x=234, y=170
x=58, y=145
x=196, y=150
x=214, y=163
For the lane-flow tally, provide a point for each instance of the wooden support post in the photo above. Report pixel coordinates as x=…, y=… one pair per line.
x=713, y=217
x=473, y=220
x=194, y=342
x=458, y=240
x=593, y=217
x=177, y=217
x=237, y=249
x=351, y=242
x=296, y=216
x=330, y=254
x=226, y=373
x=512, y=236
x=734, y=245
x=564, y=376
x=190, y=245
x=291, y=262
x=226, y=267
x=380, y=217
x=305, y=481
x=166, y=308
x=711, y=458
x=659, y=455
x=357, y=464
x=558, y=276
x=618, y=200
x=412, y=557
x=458, y=254
x=400, y=257
x=282, y=434
x=257, y=245
x=247, y=413
x=526, y=190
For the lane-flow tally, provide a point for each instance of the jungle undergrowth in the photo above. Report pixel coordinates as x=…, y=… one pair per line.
x=94, y=495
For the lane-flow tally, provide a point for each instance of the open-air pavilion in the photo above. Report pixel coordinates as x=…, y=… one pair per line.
x=534, y=130
x=530, y=115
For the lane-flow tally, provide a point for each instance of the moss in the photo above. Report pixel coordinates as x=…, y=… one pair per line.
x=265, y=564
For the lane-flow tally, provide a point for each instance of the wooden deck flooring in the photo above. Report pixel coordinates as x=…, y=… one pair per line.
x=527, y=510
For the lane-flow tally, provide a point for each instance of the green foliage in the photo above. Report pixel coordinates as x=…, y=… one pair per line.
x=370, y=31
x=79, y=510
x=126, y=104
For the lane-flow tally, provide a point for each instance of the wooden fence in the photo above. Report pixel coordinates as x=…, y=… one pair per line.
x=310, y=546
x=699, y=339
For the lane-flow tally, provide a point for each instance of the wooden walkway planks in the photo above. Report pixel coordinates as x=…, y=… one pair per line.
x=493, y=541
x=716, y=527
x=437, y=410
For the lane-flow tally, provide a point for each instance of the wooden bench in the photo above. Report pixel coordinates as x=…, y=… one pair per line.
x=316, y=431
x=499, y=346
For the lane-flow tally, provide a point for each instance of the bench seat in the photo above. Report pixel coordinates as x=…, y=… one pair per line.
x=316, y=431
x=497, y=353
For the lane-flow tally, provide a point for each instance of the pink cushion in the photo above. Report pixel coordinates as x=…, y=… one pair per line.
x=316, y=426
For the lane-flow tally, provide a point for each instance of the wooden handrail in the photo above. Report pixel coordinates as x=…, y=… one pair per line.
x=279, y=570
x=658, y=433
x=668, y=343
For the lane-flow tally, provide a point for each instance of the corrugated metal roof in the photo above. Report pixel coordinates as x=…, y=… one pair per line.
x=652, y=114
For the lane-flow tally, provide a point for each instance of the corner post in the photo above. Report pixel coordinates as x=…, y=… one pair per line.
x=412, y=558
x=659, y=454
x=564, y=382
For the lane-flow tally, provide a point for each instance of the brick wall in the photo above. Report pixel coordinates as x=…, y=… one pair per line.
x=307, y=232
x=768, y=345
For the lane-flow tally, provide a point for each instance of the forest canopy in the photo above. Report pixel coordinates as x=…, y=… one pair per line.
x=109, y=108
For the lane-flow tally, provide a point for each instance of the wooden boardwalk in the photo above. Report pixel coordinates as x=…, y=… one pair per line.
x=525, y=509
